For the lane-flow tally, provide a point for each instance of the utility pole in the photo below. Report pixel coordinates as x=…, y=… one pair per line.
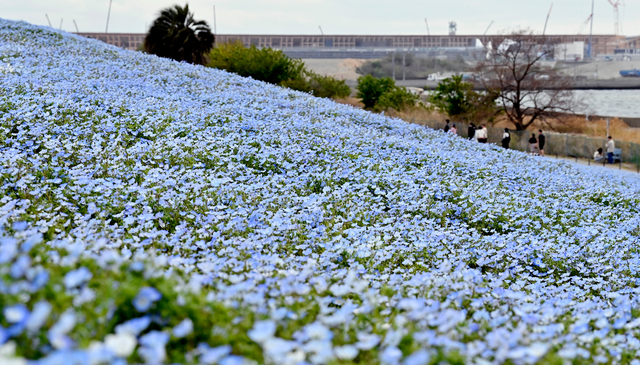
x=393, y=65
x=106, y=29
x=403, y=66
x=48, y=21
x=591, y=33
x=215, y=30
x=321, y=32
x=427, y=23
x=60, y=27
x=76, y=25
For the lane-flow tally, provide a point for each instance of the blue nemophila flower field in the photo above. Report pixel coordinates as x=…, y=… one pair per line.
x=159, y=212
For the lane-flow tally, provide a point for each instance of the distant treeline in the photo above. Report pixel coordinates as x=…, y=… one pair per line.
x=415, y=67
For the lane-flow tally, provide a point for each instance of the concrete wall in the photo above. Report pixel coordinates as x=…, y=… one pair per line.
x=563, y=144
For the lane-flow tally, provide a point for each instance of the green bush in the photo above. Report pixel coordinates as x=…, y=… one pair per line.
x=452, y=96
x=382, y=94
x=398, y=98
x=370, y=89
x=457, y=98
x=327, y=86
x=264, y=64
x=275, y=67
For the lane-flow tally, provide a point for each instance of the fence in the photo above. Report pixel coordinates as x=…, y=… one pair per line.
x=572, y=145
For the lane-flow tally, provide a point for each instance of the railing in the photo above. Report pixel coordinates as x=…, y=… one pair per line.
x=562, y=144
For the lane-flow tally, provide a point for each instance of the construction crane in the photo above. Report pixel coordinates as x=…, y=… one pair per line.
x=485, y=32
x=616, y=14
x=547, y=21
x=586, y=22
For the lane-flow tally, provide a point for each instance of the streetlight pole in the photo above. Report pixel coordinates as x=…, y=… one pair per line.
x=591, y=33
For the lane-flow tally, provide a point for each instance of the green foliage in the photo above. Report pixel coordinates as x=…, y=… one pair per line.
x=264, y=64
x=370, y=89
x=458, y=99
x=176, y=35
x=398, y=98
x=382, y=94
x=415, y=68
x=274, y=67
x=452, y=96
x=327, y=86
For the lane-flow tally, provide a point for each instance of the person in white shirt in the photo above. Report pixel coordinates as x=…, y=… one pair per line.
x=481, y=134
x=611, y=147
x=598, y=156
x=453, y=130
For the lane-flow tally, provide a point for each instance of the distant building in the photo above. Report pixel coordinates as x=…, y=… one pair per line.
x=364, y=46
x=569, y=52
x=130, y=41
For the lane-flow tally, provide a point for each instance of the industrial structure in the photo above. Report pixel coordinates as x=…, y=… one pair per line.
x=376, y=46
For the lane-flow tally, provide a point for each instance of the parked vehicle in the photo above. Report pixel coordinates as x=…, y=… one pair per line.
x=630, y=73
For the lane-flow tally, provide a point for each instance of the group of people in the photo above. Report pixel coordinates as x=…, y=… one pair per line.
x=478, y=133
x=536, y=145
x=598, y=156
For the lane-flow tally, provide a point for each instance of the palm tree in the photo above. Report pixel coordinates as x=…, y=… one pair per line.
x=175, y=34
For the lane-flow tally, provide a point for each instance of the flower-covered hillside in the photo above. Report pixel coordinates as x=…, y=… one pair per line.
x=159, y=212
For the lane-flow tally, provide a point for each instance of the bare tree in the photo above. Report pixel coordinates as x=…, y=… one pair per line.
x=525, y=87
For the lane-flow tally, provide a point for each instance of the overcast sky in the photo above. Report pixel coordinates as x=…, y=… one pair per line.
x=335, y=16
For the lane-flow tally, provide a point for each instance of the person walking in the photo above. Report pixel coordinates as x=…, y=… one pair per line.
x=453, y=130
x=471, y=132
x=446, y=127
x=506, y=138
x=533, y=144
x=481, y=134
x=541, y=141
x=611, y=147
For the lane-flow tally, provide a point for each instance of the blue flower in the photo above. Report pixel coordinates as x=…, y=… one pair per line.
x=145, y=298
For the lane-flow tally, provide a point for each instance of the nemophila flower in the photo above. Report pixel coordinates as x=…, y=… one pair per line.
x=20, y=226
x=145, y=298
x=346, y=352
x=39, y=316
x=15, y=313
x=134, y=326
x=183, y=328
x=121, y=344
x=58, y=332
x=347, y=230
x=75, y=278
x=262, y=331
x=152, y=348
x=213, y=355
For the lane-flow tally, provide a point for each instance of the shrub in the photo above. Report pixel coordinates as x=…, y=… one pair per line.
x=370, y=89
x=275, y=67
x=457, y=98
x=327, y=86
x=264, y=64
x=398, y=98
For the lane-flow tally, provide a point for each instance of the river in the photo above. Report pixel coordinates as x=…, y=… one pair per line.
x=611, y=103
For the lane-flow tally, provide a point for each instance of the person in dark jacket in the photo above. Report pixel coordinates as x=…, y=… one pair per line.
x=533, y=144
x=541, y=141
x=506, y=138
x=446, y=127
x=471, y=132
